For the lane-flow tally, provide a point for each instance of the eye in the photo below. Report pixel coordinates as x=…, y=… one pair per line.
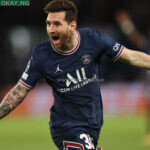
x=57, y=23
x=48, y=23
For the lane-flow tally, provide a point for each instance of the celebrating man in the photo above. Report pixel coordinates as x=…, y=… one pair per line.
x=69, y=63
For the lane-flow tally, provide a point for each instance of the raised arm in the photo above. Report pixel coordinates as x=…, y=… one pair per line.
x=13, y=98
x=135, y=58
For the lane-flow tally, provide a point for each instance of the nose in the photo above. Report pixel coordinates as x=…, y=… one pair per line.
x=51, y=29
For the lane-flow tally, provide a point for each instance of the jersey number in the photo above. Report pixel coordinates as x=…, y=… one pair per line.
x=89, y=145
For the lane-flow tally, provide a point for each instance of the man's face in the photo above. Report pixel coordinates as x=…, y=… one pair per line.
x=58, y=29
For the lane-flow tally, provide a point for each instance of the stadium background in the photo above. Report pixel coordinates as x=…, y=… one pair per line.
x=123, y=87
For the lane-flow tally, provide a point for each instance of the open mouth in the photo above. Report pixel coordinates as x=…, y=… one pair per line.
x=55, y=39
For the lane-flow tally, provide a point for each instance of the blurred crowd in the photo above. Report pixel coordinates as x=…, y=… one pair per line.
x=23, y=27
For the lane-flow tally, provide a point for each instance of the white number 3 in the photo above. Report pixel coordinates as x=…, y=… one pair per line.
x=89, y=145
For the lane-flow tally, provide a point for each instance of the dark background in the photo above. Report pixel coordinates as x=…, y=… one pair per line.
x=21, y=28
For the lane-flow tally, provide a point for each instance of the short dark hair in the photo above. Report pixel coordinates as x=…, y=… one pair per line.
x=63, y=5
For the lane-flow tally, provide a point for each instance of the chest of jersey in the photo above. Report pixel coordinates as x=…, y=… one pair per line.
x=71, y=72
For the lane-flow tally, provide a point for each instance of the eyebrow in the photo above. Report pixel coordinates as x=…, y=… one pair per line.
x=47, y=21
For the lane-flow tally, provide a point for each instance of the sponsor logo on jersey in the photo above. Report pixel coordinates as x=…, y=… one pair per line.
x=86, y=59
x=79, y=78
x=77, y=82
x=116, y=47
x=58, y=69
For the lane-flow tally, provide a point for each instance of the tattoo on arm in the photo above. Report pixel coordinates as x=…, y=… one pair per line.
x=12, y=99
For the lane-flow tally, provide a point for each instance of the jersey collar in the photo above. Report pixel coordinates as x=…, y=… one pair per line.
x=68, y=52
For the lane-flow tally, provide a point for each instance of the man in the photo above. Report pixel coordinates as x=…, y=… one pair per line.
x=69, y=63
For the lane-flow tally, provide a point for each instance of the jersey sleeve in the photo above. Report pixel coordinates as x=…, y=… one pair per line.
x=32, y=73
x=107, y=45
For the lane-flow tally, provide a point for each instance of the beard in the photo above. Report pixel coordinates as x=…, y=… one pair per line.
x=65, y=41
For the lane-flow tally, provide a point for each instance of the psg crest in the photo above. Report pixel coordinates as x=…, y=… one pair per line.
x=86, y=59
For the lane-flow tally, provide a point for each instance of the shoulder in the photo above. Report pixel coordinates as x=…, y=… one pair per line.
x=41, y=47
x=91, y=33
x=40, y=51
x=92, y=36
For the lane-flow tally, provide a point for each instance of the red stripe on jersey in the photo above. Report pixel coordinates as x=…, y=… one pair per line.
x=119, y=54
x=25, y=85
x=72, y=144
x=99, y=149
x=69, y=52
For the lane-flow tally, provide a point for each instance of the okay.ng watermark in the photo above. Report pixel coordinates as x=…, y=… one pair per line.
x=14, y=2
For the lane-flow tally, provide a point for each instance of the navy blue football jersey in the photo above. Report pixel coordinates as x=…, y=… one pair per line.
x=74, y=78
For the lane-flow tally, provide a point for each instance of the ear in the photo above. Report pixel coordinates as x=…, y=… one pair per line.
x=73, y=25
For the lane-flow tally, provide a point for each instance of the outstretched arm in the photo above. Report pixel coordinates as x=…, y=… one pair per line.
x=13, y=98
x=135, y=58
